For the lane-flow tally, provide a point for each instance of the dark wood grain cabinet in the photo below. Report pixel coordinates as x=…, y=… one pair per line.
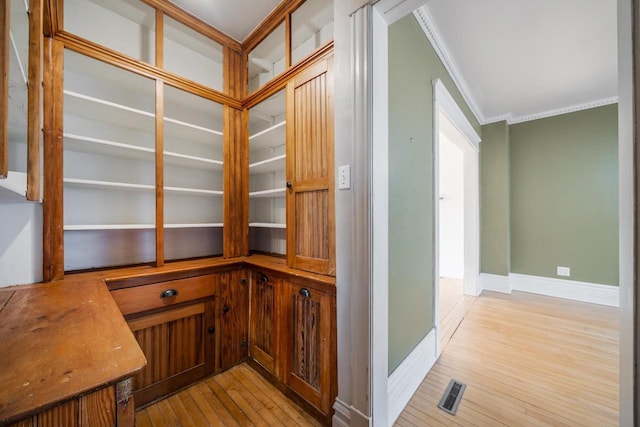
x=234, y=317
x=264, y=319
x=309, y=344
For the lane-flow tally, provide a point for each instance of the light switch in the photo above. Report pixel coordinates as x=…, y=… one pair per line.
x=344, y=177
x=564, y=271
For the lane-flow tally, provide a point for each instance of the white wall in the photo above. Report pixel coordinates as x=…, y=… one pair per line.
x=20, y=243
x=451, y=183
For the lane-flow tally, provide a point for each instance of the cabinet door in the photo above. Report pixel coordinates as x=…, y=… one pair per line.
x=309, y=358
x=264, y=321
x=179, y=346
x=234, y=318
x=310, y=180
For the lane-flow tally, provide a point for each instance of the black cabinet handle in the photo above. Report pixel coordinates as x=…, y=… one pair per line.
x=243, y=281
x=169, y=293
x=212, y=329
x=289, y=185
x=225, y=309
x=305, y=293
x=264, y=278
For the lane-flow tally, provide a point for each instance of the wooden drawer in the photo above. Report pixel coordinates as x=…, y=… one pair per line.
x=149, y=297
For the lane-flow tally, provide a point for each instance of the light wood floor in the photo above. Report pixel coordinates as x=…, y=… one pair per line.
x=527, y=360
x=237, y=397
x=454, y=305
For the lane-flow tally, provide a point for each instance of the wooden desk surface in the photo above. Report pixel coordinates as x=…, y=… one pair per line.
x=60, y=340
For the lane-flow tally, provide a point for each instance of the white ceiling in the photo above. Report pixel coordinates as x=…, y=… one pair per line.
x=513, y=59
x=523, y=59
x=235, y=18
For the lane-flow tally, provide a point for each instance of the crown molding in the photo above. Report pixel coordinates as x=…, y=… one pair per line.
x=564, y=110
x=431, y=31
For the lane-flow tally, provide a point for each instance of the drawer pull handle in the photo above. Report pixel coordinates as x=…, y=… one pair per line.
x=264, y=278
x=225, y=309
x=169, y=293
x=305, y=293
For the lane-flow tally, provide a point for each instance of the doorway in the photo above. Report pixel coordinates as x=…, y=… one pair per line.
x=457, y=215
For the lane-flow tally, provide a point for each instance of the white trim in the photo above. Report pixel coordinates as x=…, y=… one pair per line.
x=342, y=414
x=544, y=114
x=431, y=31
x=443, y=99
x=407, y=377
x=380, y=217
x=393, y=10
x=568, y=289
x=495, y=283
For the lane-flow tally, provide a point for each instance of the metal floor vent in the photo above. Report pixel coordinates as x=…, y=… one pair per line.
x=452, y=397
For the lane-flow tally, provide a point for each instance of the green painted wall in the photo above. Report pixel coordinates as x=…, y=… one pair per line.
x=564, y=195
x=413, y=65
x=494, y=199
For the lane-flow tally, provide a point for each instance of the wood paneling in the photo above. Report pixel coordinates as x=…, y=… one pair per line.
x=53, y=218
x=62, y=415
x=310, y=198
x=265, y=321
x=5, y=58
x=179, y=345
x=159, y=39
x=238, y=396
x=92, y=408
x=236, y=184
x=234, y=315
x=34, y=100
x=52, y=18
x=527, y=360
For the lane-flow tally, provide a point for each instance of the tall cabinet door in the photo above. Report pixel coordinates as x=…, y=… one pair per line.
x=265, y=321
x=234, y=318
x=310, y=353
x=310, y=180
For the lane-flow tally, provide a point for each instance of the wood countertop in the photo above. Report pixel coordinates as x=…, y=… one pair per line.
x=60, y=340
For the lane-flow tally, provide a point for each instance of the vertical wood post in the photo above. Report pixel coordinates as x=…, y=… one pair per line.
x=34, y=100
x=53, y=217
x=5, y=21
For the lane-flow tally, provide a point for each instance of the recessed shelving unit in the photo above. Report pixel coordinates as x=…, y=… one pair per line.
x=267, y=175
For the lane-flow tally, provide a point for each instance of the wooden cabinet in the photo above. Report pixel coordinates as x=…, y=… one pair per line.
x=234, y=317
x=264, y=320
x=309, y=344
x=175, y=328
x=310, y=178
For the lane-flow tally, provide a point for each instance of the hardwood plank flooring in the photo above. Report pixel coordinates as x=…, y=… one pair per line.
x=527, y=360
x=454, y=305
x=237, y=397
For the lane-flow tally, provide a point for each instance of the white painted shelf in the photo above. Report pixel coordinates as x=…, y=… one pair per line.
x=272, y=137
x=103, y=146
x=275, y=193
x=129, y=186
x=107, y=184
x=137, y=226
x=274, y=164
x=267, y=225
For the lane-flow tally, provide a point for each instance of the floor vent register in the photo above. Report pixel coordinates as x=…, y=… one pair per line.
x=452, y=397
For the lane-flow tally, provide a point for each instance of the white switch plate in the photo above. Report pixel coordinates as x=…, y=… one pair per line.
x=564, y=271
x=344, y=177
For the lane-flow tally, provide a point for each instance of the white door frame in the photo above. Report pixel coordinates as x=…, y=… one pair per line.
x=444, y=103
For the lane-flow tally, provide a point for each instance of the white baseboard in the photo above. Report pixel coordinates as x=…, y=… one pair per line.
x=568, y=289
x=495, y=283
x=404, y=381
x=348, y=416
